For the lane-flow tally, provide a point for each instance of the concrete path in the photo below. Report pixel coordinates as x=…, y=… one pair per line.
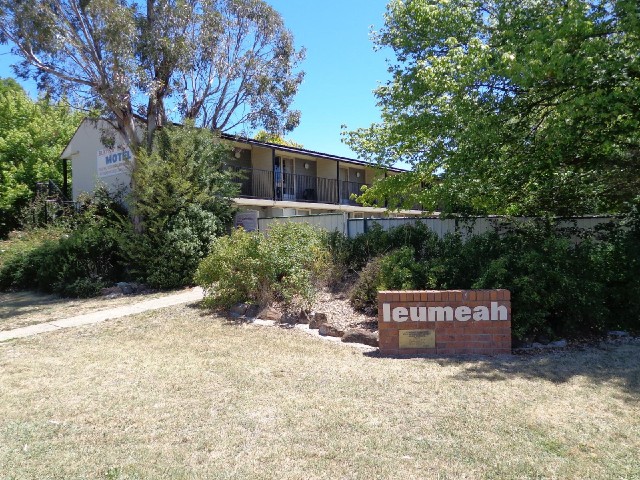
x=192, y=295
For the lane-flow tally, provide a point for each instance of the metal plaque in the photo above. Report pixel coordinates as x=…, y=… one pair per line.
x=417, y=338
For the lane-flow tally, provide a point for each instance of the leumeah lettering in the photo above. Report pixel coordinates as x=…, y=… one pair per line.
x=462, y=313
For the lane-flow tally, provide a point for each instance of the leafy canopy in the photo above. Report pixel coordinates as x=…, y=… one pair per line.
x=32, y=136
x=181, y=202
x=222, y=63
x=509, y=106
x=264, y=136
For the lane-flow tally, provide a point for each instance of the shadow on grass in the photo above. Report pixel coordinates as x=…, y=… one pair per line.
x=617, y=362
x=13, y=304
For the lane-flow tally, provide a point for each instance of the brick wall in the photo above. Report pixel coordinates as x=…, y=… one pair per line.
x=456, y=318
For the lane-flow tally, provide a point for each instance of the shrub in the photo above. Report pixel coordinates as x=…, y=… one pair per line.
x=78, y=264
x=180, y=204
x=285, y=265
x=396, y=270
x=559, y=287
x=168, y=257
x=364, y=294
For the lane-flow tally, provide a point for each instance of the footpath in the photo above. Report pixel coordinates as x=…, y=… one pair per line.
x=192, y=295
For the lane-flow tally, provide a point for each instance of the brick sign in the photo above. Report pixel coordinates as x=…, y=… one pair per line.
x=445, y=322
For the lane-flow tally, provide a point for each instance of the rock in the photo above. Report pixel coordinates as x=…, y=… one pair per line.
x=317, y=319
x=289, y=318
x=111, y=292
x=125, y=287
x=330, y=331
x=556, y=344
x=270, y=313
x=543, y=339
x=252, y=311
x=239, y=309
x=129, y=288
x=358, y=335
x=618, y=334
x=303, y=318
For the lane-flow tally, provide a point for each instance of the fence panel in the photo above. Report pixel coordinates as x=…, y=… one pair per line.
x=338, y=222
x=466, y=227
x=332, y=222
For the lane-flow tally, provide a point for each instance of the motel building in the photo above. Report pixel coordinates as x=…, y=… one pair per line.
x=274, y=180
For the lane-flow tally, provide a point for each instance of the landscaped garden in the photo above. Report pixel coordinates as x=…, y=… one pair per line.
x=522, y=112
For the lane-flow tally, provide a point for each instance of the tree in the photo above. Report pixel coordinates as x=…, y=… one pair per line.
x=32, y=135
x=510, y=106
x=264, y=136
x=183, y=200
x=224, y=63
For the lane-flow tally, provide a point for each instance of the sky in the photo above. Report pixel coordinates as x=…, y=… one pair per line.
x=342, y=69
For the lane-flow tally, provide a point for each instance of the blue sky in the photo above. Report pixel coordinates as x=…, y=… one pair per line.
x=342, y=69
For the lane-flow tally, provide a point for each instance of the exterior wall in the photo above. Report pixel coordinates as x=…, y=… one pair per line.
x=433, y=335
x=327, y=169
x=371, y=175
x=257, y=191
x=261, y=158
x=83, y=150
x=353, y=175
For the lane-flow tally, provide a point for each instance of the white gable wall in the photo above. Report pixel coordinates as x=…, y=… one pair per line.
x=83, y=151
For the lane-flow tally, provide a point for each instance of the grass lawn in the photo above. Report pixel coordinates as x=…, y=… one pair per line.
x=179, y=394
x=20, y=309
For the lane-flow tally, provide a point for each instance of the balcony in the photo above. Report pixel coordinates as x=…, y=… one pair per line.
x=260, y=184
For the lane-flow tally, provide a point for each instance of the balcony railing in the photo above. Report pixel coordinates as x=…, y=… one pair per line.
x=255, y=183
x=350, y=188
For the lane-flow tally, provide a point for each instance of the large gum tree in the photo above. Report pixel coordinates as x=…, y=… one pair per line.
x=225, y=64
x=509, y=106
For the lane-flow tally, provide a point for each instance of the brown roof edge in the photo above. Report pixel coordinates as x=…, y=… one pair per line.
x=284, y=148
x=303, y=151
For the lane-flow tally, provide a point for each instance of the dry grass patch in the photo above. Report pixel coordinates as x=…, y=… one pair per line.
x=20, y=309
x=179, y=394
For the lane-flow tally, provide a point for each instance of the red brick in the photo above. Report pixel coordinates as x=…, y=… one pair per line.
x=447, y=337
x=481, y=337
x=388, y=345
x=425, y=351
x=388, y=352
x=410, y=325
x=387, y=325
x=445, y=351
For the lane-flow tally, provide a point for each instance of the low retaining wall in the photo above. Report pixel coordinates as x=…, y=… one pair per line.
x=445, y=322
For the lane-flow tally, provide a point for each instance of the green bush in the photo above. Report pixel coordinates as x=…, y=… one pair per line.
x=559, y=287
x=180, y=204
x=284, y=265
x=168, y=257
x=553, y=290
x=78, y=264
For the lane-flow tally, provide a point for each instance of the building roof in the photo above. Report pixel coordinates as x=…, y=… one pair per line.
x=301, y=151
x=250, y=141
